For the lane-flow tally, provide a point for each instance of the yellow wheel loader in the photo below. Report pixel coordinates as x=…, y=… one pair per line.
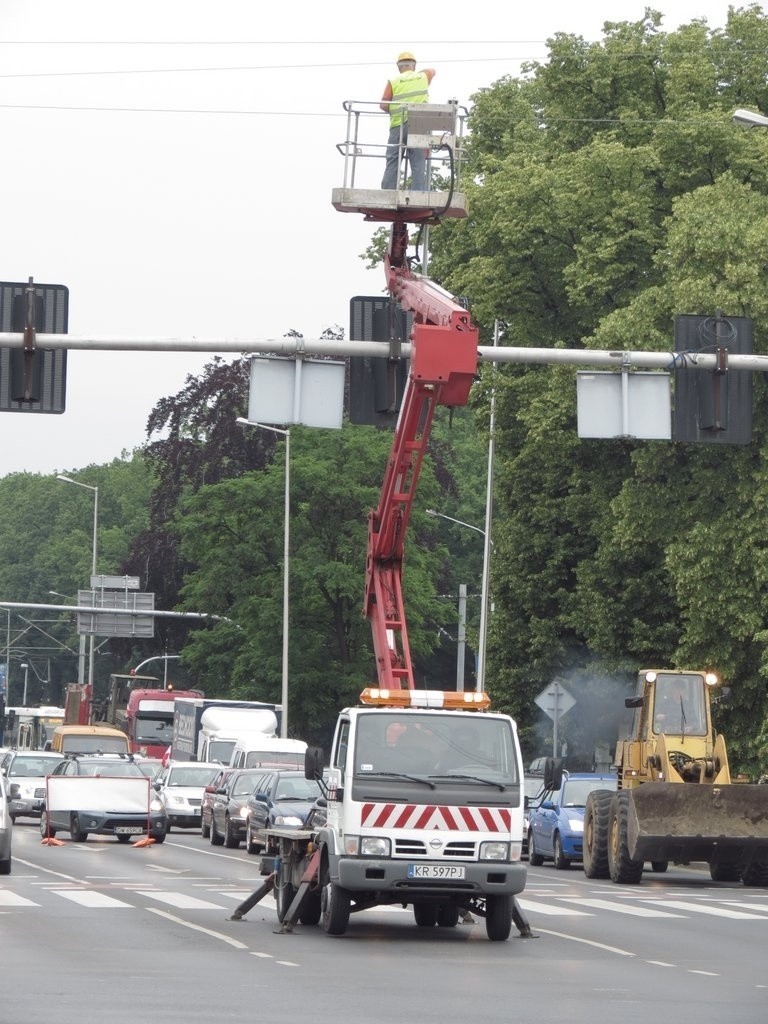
x=675, y=801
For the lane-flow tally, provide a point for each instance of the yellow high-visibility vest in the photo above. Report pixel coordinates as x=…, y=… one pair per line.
x=409, y=87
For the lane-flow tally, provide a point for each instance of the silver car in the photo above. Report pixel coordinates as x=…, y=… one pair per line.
x=180, y=787
x=25, y=772
x=6, y=829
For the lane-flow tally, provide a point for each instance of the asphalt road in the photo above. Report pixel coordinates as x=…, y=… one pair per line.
x=100, y=931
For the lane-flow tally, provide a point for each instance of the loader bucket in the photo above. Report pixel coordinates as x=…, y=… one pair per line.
x=683, y=822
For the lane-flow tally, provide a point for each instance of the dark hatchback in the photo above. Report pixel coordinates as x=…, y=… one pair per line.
x=281, y=799
x=106, y=817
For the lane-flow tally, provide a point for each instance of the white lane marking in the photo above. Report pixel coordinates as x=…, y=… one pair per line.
x=709, y=974
x=286, y=963
x=234, y=893
x=659, y=963
x=262, y=956
x=180, y=900
x=197, y=928
x=547, y=908
x=587, y=942
x=90, y=898
x=47, y=871
x=617, y=908
x=696, y=908
x=12, y=899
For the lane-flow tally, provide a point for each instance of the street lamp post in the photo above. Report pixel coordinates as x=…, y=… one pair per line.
x=81, y=651
x=95, y=490
x=286, y=553
x=487, y=545
x=5, y=665
x=25, y=666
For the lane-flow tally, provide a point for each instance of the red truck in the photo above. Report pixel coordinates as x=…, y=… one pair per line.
x=139, y=705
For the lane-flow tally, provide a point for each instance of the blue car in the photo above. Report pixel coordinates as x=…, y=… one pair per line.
x=556, y=824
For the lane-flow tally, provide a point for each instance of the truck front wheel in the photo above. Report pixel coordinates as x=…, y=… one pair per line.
x=336, y=906
x=498, y=917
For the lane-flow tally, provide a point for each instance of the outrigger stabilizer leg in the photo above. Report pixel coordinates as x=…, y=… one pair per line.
x=253, y=899
x=521, y=921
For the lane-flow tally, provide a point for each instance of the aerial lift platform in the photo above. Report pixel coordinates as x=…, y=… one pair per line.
x=435, y=127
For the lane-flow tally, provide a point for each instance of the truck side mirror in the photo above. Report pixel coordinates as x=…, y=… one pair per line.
x=313, y=763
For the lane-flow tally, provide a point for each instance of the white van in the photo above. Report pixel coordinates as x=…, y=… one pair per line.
x=268, y=752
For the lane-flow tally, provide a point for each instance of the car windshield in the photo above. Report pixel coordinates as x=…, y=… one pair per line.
x=297, y=788
x=191, y=776
x=533, y=787
x=244, y=784
x=150, y=768
x=576, y=791
x=76, y=744
x=31, y=767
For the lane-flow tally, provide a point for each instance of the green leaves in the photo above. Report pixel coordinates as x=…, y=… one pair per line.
x=612, y=192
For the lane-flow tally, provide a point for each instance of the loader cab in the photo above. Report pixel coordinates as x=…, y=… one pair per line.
x=680, y=704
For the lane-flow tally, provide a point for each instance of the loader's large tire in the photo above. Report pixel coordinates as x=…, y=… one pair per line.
x=597, y=814
x=622, y=868
x=724, y=872
x=755, y=875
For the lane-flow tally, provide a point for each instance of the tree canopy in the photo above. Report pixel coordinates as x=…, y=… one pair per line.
x=610, y=191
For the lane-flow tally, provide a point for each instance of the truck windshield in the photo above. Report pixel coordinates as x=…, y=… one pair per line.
x=154, y=730
x=220, y=750
x=458, y=746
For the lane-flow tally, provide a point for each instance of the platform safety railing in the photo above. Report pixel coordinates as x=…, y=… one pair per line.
x=438, y=128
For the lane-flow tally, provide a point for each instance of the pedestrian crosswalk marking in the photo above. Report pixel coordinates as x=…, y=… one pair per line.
x=617, y=907
x=181, y=901
x=533, y=903
x=90, y=898
x=548, y=908
x=12, y=899
x=697, y=908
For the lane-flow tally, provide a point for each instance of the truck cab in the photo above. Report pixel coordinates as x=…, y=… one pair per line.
x=425, y=807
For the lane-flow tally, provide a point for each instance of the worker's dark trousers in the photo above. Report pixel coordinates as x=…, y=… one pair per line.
x=417, y=158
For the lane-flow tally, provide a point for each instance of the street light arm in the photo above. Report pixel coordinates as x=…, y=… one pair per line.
x=459, y=522
x=155, y=657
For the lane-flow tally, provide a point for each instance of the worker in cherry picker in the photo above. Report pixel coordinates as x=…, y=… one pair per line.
x=408, y=86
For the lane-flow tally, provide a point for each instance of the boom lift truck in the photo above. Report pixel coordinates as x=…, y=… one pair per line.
x=425, y=788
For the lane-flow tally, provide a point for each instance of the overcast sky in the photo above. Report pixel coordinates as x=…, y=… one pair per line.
x=172, y=162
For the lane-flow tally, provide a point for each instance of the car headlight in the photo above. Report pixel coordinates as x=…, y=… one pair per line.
x=243, y=812
x=172, y=800
x=374, y=846
x=576, y=824
x=494, y=850
x=156, y=806
x=288, y=819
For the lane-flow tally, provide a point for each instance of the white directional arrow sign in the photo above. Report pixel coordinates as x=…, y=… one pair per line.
x=554, y=701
